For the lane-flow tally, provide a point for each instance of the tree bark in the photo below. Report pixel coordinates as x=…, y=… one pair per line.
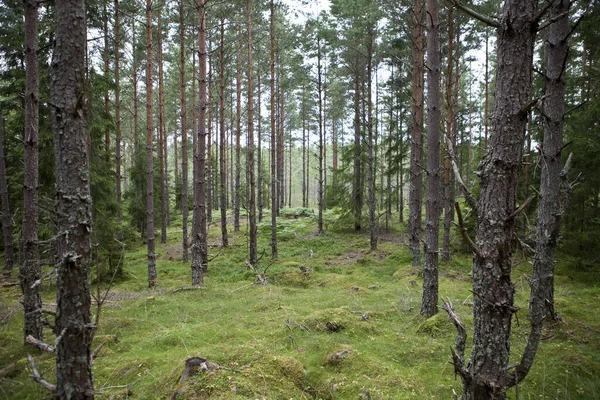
x=73, y=203
x=7, y=223
x=373, y=228
x=118, y=133
x=252, y=198
x=184, y=133
x=199, y=244
x=162, y=142
x=433, y=200
x=274, y=184
x=321, y=139
x=259, y=178
x=149, y=156
x=223, y=142
x=357, y=169
x=487, y=374
x=416, y=158
x=30, y=270
x=209, y=134
x=238, y=134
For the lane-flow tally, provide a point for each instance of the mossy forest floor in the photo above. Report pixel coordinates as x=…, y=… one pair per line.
x=272, y=341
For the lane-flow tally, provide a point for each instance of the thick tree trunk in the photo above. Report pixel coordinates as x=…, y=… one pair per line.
x=199, y=244
x=416, y=157
x=274, y=185
x=162, y=142
x=73, y=203
x=433, y=200
x=149, y=156
x=487, y=374
x=223, y=142
x=184, y=134
x=252, y=197
x=118, y=133
x=30, y=270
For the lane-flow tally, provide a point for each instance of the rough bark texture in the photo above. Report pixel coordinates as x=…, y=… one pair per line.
x=416, y=153
x=117, y=56
x=73, y=203
x=551, y=203
x=149, y=155
x=30, y=269
x=274, y=185
x=321, y=139
x=433, y=201
x=184, y=134
x=373, y=228
x=252, y=195
x=357, y=187
x=487, y=373
x=209, y=112
x=199, y=245
x=162, y=142
x=223, y=142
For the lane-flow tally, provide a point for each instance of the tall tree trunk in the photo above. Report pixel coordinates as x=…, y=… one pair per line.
x=106, y=69
x=252, y=198
x=280, y=141
x=274, y=185
x=488, y=375
x=73, y=203
x=304, y=175
x=7, y=223
x=238, y=134
x=223, y=142
x=199, y=244
x=551, y=205
x=321, y=139
x=149, y=156
x=416, y=156
x=30, y=270
x=134, y=84
x=450, y=121
x=209, y=134
x=373, y=228
x=433, y=200
x=184, y=133
x=401, y=170
x=162, y=143
x=118, y=133
x=357, y=188
x=259, y=178
x=334, y=156
x=388, y=206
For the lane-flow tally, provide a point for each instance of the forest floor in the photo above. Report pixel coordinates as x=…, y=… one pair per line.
x=345, y=327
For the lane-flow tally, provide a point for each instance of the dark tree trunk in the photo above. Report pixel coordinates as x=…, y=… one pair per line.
x=30, y=270
x=487, y=375
x=259, y=178
x=162, y=141
x=304, y=175
x=199, y=245
x=209, y=168
x=223, y=142
x=373, y=228
x=73, y=203
x=321, y=139
x=149, y=156
x=134, y=84
x=433, y=200
x=416, y=157
x=184, y=134
x=274, y=185
x=252, y=197
x=357, y=188
x=118, y=134
x=7, y=223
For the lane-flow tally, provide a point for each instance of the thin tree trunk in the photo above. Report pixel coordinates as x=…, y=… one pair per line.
x=373, y=228
x=259, y=178
x=73, y=204
x=7, y=224
x=149, y=152
x=252, y=198
x=30, y=270
x=388, y=206
x=209, y=177
x=134, y=83
x=238, y=134
x=106, y=69
x=199, y=244
x=162, y=143
x=433, y=200
x=274, y=185
x=280, y=142
x=223, y=148
x=357, y=188
x=321, y=139
x=184, y=134
x=304, y=175
x=118, y=133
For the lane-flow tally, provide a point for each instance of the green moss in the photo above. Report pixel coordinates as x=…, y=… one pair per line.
x=437, y=326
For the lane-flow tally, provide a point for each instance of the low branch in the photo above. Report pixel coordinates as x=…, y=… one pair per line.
x=476, y=15
x=553, y=20
x=463, y=231
x=458, y=352
x=543, y=11
x=525, y=110
x=187, y=288
x=38, y=378
x=97, y=351
x=39, y=344
x=468, y=195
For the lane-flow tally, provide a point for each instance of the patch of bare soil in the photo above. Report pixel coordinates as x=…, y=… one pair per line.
x=379, y=255
x=346, y=259
x=400, y=238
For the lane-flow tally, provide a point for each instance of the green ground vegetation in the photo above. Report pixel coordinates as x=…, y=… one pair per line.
x=274, y=342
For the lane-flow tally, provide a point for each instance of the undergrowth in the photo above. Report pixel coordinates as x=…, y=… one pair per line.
x=278, y=341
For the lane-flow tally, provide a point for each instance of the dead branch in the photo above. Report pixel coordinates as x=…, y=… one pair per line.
x=38, y=378
x=39, y=344
x=463, y=231
x=476, y=15
x=217, y=255
x=522, y=207
x=187, y=288
x=97, y=351
x=468, y=195
x=458, y=352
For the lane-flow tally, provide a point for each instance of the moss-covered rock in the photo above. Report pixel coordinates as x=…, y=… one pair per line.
x=291, y=369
